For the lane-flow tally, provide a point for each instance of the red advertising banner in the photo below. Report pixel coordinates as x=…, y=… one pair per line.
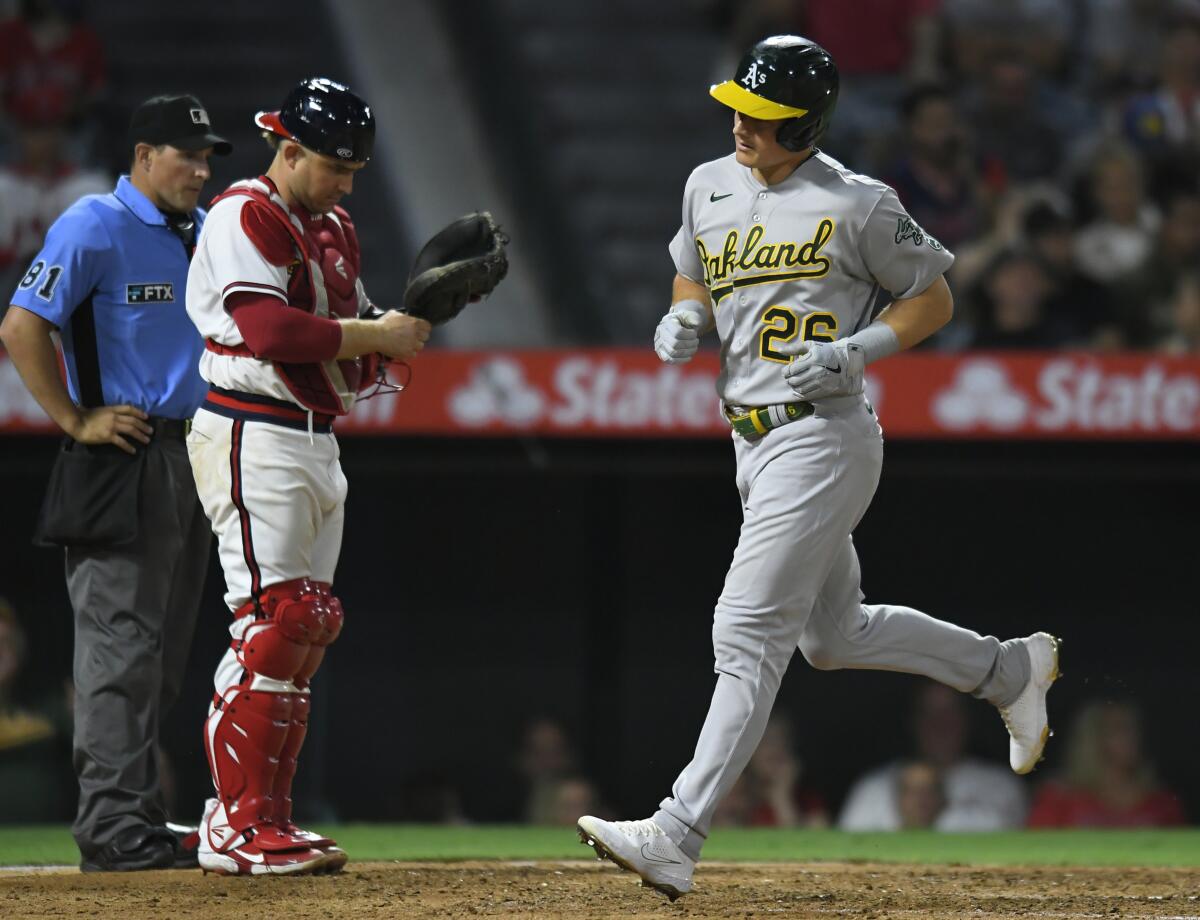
x=629, y=393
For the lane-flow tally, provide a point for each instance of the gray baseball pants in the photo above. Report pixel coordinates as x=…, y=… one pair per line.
x=135, y=611
x=794, y=582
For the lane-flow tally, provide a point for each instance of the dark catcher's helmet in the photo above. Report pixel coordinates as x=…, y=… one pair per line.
x=786, y=78
x=326, y=117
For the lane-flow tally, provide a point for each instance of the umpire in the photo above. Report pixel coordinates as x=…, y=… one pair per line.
x=111, y=279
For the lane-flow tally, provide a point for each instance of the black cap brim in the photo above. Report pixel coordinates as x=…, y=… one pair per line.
x=220, y=146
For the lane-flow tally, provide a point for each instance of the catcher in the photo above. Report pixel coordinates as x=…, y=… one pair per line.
x=291, y=339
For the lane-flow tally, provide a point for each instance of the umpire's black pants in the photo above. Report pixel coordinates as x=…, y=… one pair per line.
x=135, y=611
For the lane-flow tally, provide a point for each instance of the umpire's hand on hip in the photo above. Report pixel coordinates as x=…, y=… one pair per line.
x=678, y=334
x=112, y=425
x=821, y=370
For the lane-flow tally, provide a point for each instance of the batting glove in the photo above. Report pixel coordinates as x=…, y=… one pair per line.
x=823, y=370
x=678, y=334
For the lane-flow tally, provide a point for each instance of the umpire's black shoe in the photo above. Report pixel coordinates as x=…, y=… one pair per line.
x=187, y=845
x=134, y=849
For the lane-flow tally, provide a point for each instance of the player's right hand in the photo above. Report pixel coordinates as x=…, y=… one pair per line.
x=677, y=336
x=112, y=425
x=400, y=335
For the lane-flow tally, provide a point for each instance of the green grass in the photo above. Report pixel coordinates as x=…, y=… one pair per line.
x=43, y=845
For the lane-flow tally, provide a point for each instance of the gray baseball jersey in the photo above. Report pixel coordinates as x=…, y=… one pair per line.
x=806, y=257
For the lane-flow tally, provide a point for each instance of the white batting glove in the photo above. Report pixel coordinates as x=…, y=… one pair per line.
x=821, y=370
x=678, y=333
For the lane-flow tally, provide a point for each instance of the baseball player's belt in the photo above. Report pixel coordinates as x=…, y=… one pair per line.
x=754, y=423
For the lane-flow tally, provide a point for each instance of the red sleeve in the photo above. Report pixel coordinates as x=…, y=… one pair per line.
x=277, y=332
x=269, y=236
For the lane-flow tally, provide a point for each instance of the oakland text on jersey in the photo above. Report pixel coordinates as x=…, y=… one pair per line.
x=806, y=258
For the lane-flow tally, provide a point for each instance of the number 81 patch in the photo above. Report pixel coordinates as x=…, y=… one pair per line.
x=53, y=274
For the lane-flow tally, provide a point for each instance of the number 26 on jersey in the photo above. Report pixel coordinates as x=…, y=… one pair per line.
x=781, y=324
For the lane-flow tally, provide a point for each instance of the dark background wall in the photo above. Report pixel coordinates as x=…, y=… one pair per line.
x=486, y=582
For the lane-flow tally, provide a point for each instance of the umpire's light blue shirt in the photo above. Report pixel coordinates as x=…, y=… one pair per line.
x=118, y=250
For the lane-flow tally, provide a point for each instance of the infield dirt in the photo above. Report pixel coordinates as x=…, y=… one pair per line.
x=594, y=890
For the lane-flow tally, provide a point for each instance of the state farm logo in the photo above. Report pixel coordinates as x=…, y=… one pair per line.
x=1069, y=394
x=981, y=394
x=586, y=392
x=497, y=392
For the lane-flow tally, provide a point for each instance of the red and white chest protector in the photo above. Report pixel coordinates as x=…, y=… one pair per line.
x=253, y=242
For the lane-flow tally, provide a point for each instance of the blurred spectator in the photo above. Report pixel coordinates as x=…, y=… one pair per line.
x=1083, y=305
x=1167, y=120
x=881, y=47
x=1012, y=303
x=979, y=796
x=771, y=792
x=571, y=797
x=1151, y=308
x=48, y=47
x=1108, y=780
x=41, y=181
x=1118, y=241
x=778, y=795
x=982, y=30
x=1007, y=122
x=545, y=760
x=920, y=796
x=36, y=783
x=1185, y=316
x=937, y=180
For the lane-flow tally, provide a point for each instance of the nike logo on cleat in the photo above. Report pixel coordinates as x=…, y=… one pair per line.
x=653, y=857
x=715, y=197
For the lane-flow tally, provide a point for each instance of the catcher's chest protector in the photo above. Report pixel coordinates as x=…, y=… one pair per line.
x=322, y=258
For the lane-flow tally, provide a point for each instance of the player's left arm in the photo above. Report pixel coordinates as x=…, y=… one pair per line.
x=914, y=319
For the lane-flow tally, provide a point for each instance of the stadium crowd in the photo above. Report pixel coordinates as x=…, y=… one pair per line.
x=1053, y=145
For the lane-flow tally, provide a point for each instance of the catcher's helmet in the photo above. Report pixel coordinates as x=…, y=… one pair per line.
x=789, y=78
x=326, y=117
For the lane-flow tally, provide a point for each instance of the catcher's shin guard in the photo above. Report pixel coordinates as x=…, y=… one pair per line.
x=257, y=726
x=282, y=793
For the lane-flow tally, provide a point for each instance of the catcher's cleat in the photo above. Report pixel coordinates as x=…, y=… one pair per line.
x=261, y=850
x=1026, y=719
x=335, y=856
x=642, y=847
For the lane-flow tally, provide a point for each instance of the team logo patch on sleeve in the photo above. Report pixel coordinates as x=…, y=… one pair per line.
x=160, y=292
x=909, y=229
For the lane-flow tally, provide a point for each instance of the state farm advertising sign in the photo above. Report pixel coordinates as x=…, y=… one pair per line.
x=629, y=393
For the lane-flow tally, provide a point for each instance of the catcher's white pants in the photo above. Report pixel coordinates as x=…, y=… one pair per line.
x=794, y=582
x=275, y=497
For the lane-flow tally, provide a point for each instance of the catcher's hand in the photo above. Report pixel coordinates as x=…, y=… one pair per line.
x=462, y=262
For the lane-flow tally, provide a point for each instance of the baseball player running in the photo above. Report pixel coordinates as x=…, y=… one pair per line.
x=274, y=289
x=783, y=251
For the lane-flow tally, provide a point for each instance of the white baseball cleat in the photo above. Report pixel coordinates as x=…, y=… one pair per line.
x=642, y=847
x=259, y=851
x=1026, y=719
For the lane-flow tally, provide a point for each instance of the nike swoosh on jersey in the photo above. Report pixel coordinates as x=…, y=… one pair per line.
x=715, y=197
x=655, y=858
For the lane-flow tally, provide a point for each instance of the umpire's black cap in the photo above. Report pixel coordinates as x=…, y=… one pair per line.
x=324, y=116
x=180, y=121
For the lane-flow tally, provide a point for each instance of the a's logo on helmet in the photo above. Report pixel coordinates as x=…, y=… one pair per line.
x=345, y=153
x=753, y=78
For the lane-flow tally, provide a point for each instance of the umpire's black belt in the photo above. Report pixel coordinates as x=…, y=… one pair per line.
x=753, y=423
x=170, y=429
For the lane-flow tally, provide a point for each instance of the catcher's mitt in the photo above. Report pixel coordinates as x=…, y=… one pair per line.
x=463, y=261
